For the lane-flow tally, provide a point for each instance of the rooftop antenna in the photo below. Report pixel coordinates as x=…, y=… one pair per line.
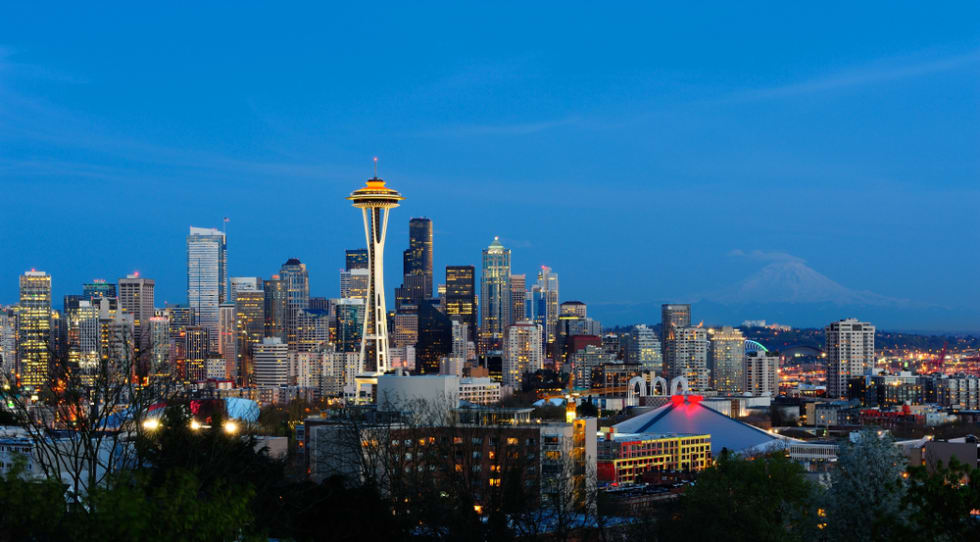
x=375, y=167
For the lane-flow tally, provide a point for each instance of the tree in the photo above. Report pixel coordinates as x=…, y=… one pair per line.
x=939, y=502
x=762, y=499
x=864, y=500
x=31, y=509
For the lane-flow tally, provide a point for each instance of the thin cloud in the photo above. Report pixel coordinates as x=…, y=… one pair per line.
x=879, y=72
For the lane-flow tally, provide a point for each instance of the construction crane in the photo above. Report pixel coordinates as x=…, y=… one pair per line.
x=935, y=365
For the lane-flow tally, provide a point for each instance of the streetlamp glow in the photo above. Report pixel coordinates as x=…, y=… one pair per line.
x=230, y=427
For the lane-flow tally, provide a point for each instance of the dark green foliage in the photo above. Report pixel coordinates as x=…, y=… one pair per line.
x=31, y=509
x=766, y=499
x=939, y=502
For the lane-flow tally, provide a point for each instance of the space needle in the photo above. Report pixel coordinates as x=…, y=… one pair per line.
x=374, y=200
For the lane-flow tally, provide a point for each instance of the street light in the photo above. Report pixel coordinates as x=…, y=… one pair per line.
x=230, y=427
x=195, y=425
x=151, y=424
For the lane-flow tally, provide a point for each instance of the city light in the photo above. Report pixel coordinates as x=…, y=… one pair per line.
x=195, y=425
x=151, y=424
x=230, y=427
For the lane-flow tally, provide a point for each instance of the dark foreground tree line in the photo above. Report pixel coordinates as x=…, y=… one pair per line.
x=207, y=485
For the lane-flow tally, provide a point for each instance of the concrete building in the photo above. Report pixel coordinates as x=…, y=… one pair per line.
x=271, y=363
x=523, y=352
x=518, y=298
x=136, y=298
x=960, y=392
x=688, y=356
x=761, y=373
x=850, y=348
x=479, y=390
x=644, y=349
x=727, y=360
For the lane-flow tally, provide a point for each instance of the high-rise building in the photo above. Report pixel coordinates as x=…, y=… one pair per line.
x=689, y=356
x=228, y=342
x=672, y=317
x=34, y=328
x=573, y=309
x=460, y=298
x=417, y=260
x=159, y=353
x=271, y=363
x=435, y=337
x=350, y=324
x=727, y=360
x=237, y=284
x=495, y=313
x=98, y=288
x=297, y=284
x=406, y=329
x=207, y=276
x=644, y=349
x=850, y=348
x=354, y=282
x=356, y=259
x=250, y=324
x=196, y=353
x=523, y=352
x=518, y=298
x=761, y=373
x=375, y=200
x=548, y=307
x=8, y=342
x=136, y=298
x=275, y=307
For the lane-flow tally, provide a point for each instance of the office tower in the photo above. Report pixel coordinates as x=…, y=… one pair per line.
x=250, y=324
x=271, y=363
x=159, y=352
x=518, y=298
x=8, y=342
x=375, y=200
x=689, y=356
x=435, y=337
x=136, y=298
x=548, y=314
x=116, y=341
x=297, y=284
x=312, y=330
x=672, y=317
x=850, y=348
x=275, y=307
x=585, y=361
x=760, y=374
x=461, y=340
x=98, y=288
x=460, y=298
x=495, y=296
x=227, y=343
x=319, y=304
x=354, y=283
x=350, y=324
x=236, y=284
x=207, y=271
x=644, y=349
x=34, y=328
x=356, y=259
x=84, y=342
x=727, y=360
x=406, y=329
x=573, y=309
x=196, y=352
x=523, y=352
x=417, y=262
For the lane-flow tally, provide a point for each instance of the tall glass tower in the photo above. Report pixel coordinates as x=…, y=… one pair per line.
x=34, y=328
x=374, y=201
x=495, y=295
x=207, y=265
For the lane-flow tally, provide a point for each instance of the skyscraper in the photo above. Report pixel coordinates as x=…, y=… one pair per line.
x=34, y=328
x=461, y=295
x=227, y=342
x=297, y=283
x=495, y=313
x=435, y=337
x=375, y=200
x=275, y=307
x=356, y=258
x=238, y=284
x=761, y=373
x=644, y=349
x=518, y=298
x=417, y=260
x=207, y=271
x=98, y=288
x=523, y=352
x=672, y=317
x=271, y=363
x=196, y=352
x=250, y=324
x=727, y=360
x=548, y=313
x=850, y=353
x=136, y=298
x=689, y=356
x=354, y=282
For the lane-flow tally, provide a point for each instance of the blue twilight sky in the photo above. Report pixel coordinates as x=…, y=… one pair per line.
x=646, y=153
